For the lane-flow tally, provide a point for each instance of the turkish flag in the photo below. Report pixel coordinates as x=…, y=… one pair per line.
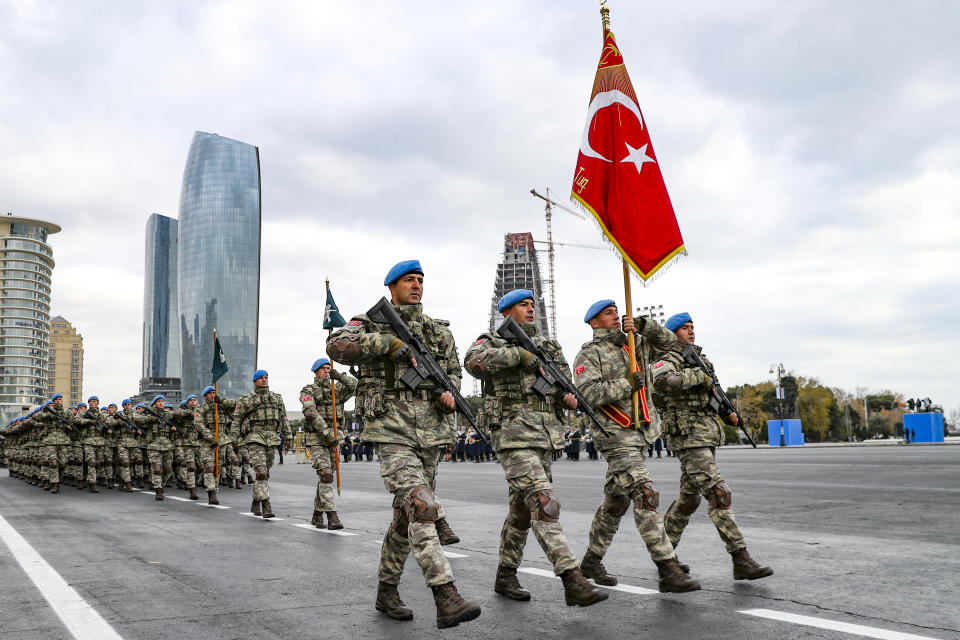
x=618, y=177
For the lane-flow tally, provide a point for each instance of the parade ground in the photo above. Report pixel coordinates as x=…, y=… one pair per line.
x=864, y=541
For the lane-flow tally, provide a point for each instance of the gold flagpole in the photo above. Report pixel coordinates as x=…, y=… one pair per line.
x=631, y=340
x=333, y=398
x=216, y=420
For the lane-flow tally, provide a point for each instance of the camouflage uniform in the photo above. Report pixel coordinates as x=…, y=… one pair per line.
x=527, y=433
x=93, y=444
x=206, y=439
x=600, y=372
x=694, y=433
x=262, y=422
x=410, y=431
x=159, y=446
x=221, y=423
x=128, y=448
x=317, y=404
x=185, y=448
x=56, y=441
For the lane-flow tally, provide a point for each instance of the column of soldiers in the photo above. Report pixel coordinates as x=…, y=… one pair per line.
x=412, y=428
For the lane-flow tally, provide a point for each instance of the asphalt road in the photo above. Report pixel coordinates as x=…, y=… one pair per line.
x=856, y=535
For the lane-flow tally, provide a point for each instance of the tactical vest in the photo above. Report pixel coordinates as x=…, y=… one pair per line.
x=694, y=399
x=322, y=400
x=264, y=412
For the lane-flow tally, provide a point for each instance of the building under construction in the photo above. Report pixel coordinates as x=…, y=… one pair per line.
x=519, y=269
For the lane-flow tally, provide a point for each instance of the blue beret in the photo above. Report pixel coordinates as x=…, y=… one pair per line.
x=188, y=398
x=182, y=403
x=596, y=308
x=112, y=404
x=676, y=321
x=513, y=297
x=73, y=406
x=92, y=398
x=401, y=269
x=155, y=398
x=125, y=402
x=139, y=405
x=81, y=404
x=207, y=390
x=259, y=373
x=319, y=363
x=55, y=396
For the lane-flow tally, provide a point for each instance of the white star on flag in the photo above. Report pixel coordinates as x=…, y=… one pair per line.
x=637, y=156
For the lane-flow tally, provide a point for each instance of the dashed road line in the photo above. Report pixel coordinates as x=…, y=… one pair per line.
x=335, y=532
x=248, y=513
x=82, y=620
x=832, y=625
x=625, y=588
x=452, y=554
x=211, y=506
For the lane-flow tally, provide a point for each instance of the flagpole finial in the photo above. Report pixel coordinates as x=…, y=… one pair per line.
x=605, y=15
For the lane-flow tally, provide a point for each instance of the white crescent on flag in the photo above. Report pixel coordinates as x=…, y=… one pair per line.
x=601, y=100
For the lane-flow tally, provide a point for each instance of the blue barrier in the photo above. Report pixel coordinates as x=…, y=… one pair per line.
x=924, y=427
x=785, y=433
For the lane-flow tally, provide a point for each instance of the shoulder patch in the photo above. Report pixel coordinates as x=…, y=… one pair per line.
x=305, y=399
x=658, y=364
x=479, y=342
x=354, y=323
x=581, y=369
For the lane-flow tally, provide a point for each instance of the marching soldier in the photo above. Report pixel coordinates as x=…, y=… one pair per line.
x=693, y=433
x=206, y=438
x=187, y=444
x=262, y=422
x=128, y=445
x=55, y=422
x=602, y=374
x=159, y=428
x=222, y=422
x=316, y=399
x=527, y=434
x=410, y=429
x=93, y=441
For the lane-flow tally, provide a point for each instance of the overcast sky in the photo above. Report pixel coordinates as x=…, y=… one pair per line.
x=811, y=151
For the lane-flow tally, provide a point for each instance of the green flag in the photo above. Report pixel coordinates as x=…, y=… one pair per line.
x=219, y=362
x=331, y=314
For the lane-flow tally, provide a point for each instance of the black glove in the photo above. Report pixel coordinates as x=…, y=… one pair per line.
x=635, y=378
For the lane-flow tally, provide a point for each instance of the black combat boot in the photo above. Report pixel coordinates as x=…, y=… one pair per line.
x=193, y=493
x=267, y=509
x=683, y=566
x=93, y=488
x=212, y=497
x=577, y=591
x=333, y=522
x=592, y=568
x=389, y=602
x=746, y=568
x=317, y=520
x=55, y=487
x=445, y=533
x=236, y=484
x=673, y=579
x=45, y=484
x=255, y=508
x=452, y=609
x=508, y=585
x=159, y=493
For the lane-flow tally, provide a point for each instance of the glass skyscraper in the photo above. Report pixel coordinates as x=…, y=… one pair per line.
x=26, y=264
x=219, y=262
x=161, y=322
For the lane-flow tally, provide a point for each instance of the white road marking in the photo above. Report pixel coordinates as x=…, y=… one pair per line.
x=247, y=513
x=335, y=532
x=451, y=554
x=845, y=627
x=83, y=622
x=625, y=588
x=212, y=506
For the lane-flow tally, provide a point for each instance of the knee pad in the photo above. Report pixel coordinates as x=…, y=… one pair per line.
x=157, y=469
x=209, y=467
x=687, y=503
x=400, y=522
x=518, y=516
x=326, y=476
x=421, y=505
x=191, y=467
x=261, y=472
x=616, y=506
x=53, y=464
x=646, y=496
x=720, y=496
x=544, y=506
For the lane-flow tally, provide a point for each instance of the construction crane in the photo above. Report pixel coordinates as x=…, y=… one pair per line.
x=548, y=211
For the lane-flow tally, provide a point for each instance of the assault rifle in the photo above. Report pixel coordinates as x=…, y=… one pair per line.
x=104, y=427
x=72, y=430
x=719, y=402
x=130, y=425
x=426, y=367
x=163, y=421
x=550, y=374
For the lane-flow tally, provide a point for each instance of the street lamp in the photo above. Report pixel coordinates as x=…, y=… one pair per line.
x=779, y=370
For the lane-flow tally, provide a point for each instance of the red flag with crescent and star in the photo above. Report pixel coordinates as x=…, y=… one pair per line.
x=618, y=178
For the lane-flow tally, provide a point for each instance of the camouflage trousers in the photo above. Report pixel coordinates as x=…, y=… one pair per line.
x=188, y=464
x=323, y=459
x=74, y=461
x=403, y=469
x=56, y=455
x=131, y=466
x=229, y=462
x=161, y=466
x=626, y=475
x=528, y=471
x=261, y=456
x=93, y=456
x=106, y=464
x=699, y=475
x=206, y=465
x=243, y=452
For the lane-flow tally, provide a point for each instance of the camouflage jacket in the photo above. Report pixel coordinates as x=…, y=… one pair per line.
x=516, y=415
x=157, y=435
x=54, y=431
x=315, y=400
x=687, y=421
x=186, y=433
x=600, y=371
x=219, y=421
x=391, y=412
x=126, y=436
x=94, y=434
x=262, y=418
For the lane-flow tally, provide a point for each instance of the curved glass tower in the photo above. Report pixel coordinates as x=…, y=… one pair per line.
x=26, y=264
x=161, y=324
x=219, y=262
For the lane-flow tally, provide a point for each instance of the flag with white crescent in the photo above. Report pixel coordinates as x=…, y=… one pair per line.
x=618, y=178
